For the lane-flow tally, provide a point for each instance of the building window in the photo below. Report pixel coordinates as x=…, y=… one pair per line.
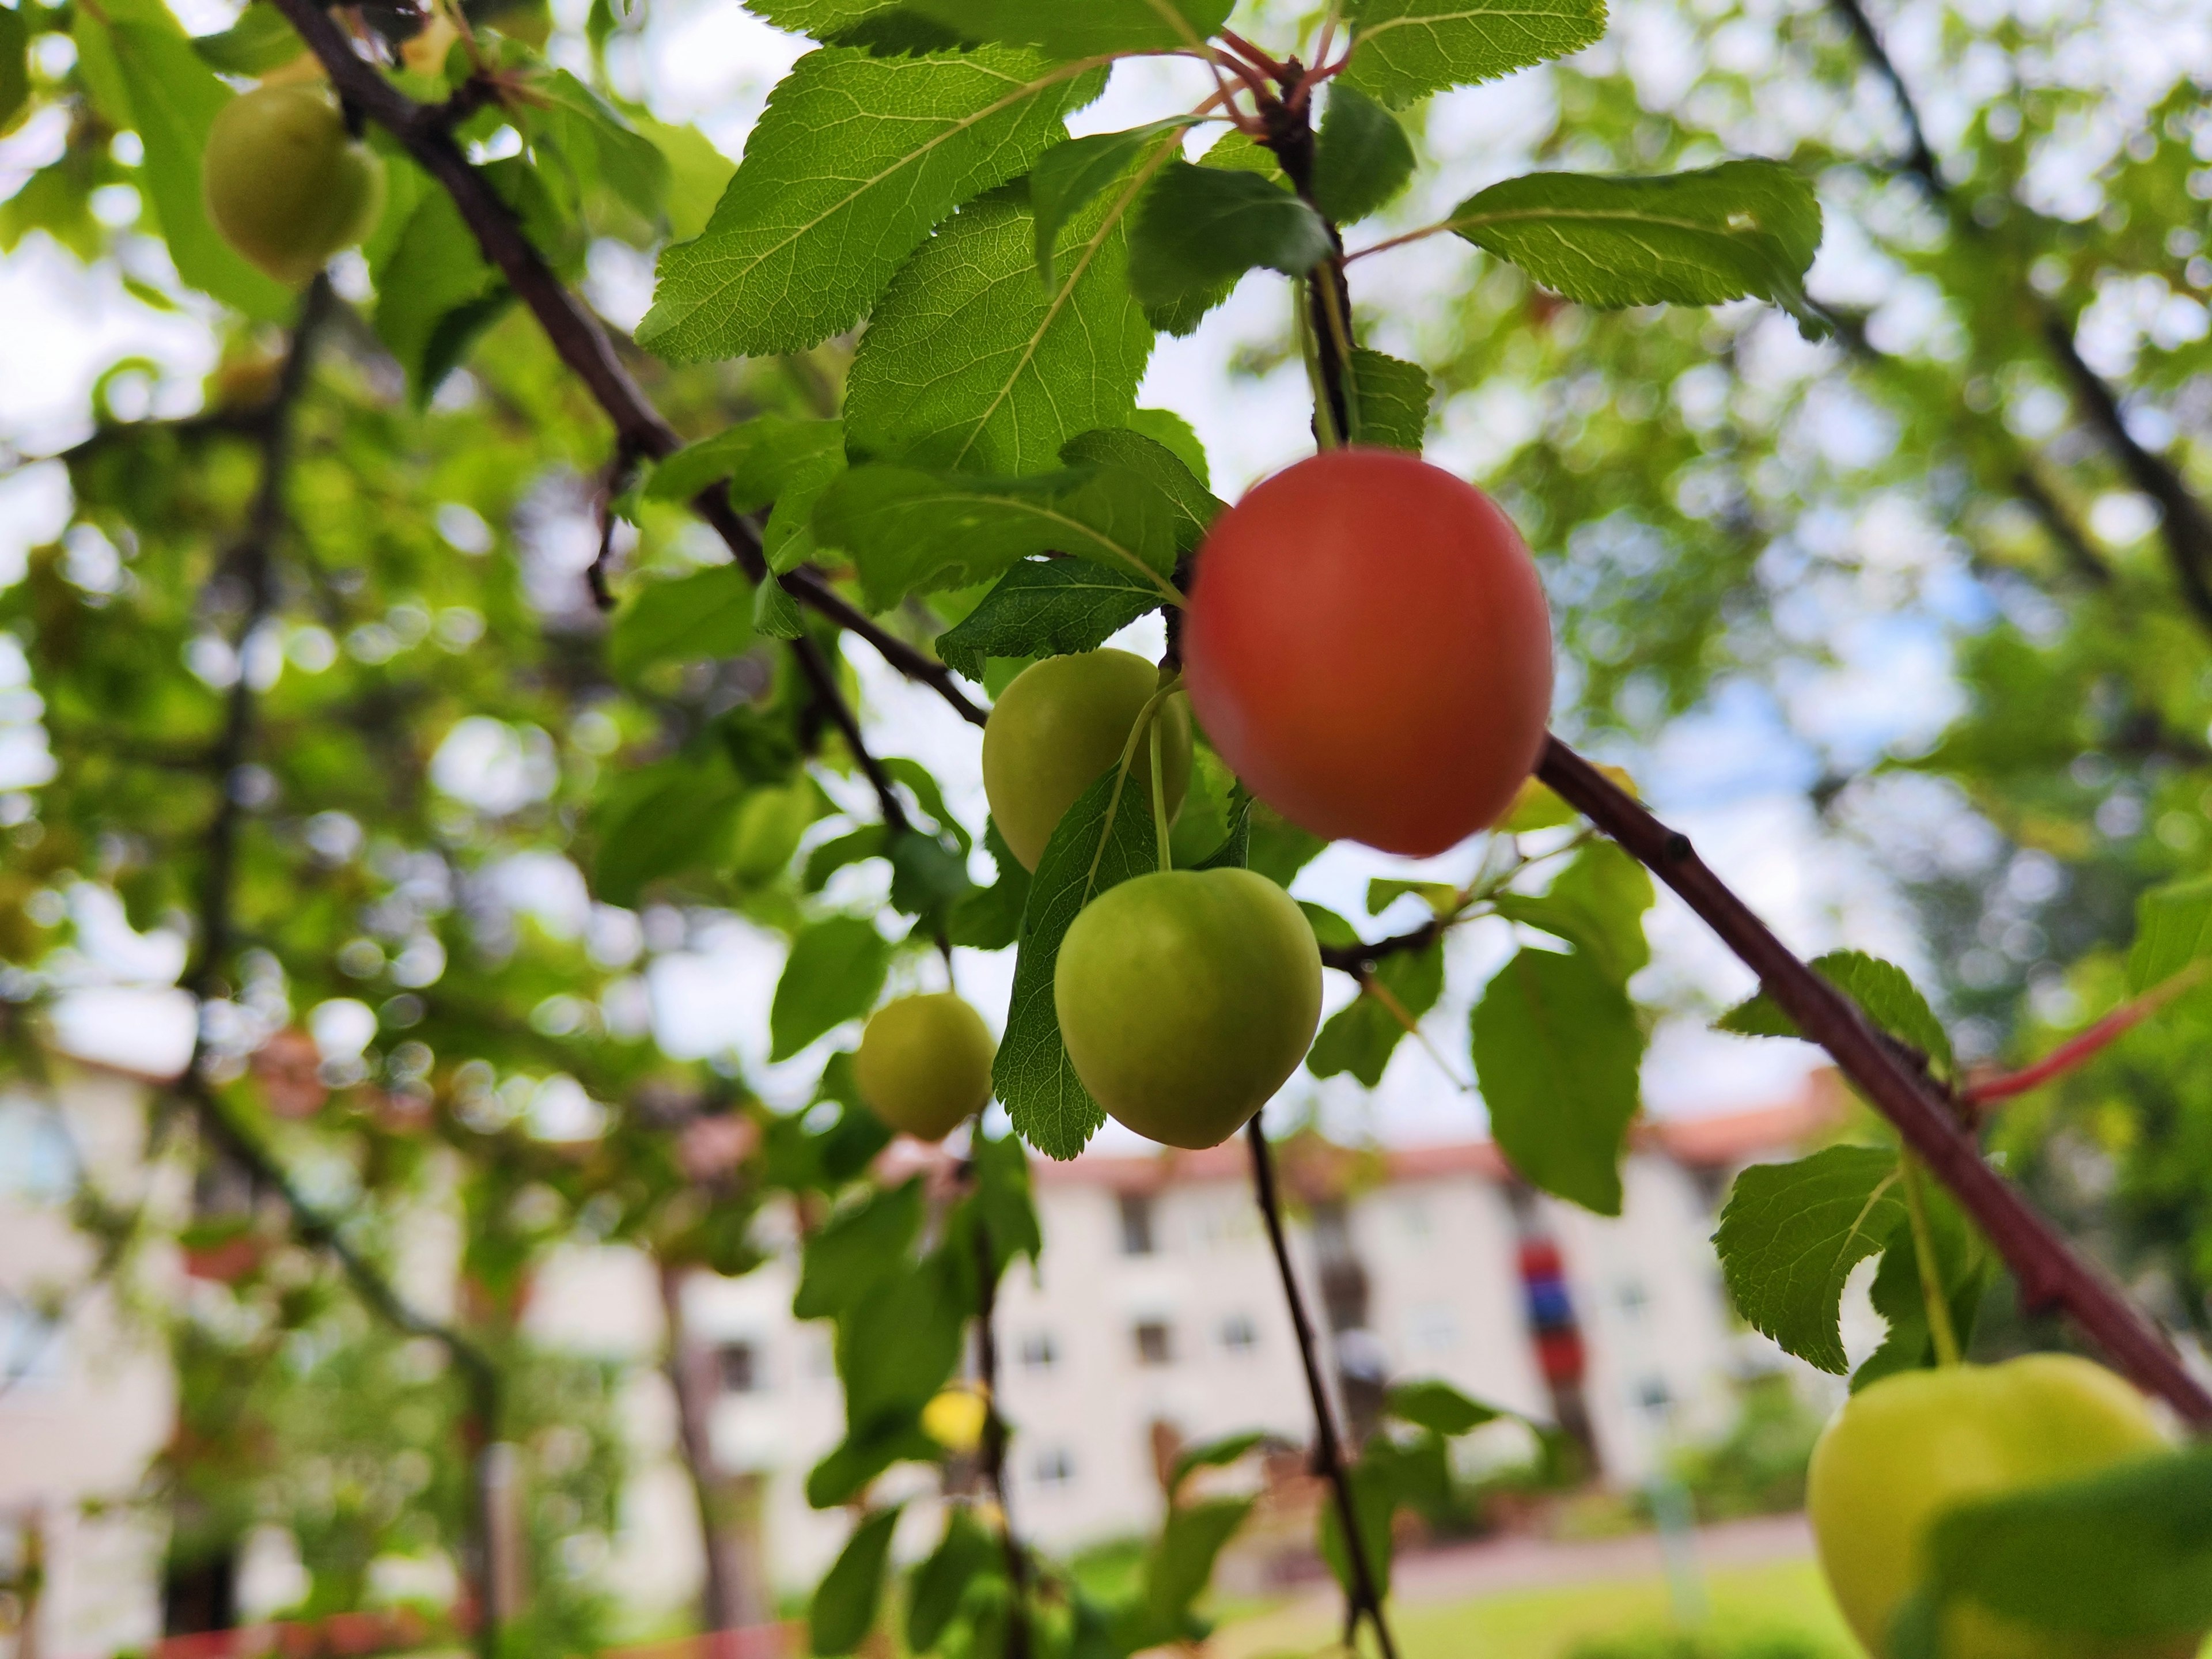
x=1152, y=1345
x=1054, y=1467
x=30, y=1344
x=1632, y=1297
x=1413, y=1215
x=1039, y=1352
x=1653, y=1396
x=737, y=1367
x=1137, y=1224
x=1238, y=1334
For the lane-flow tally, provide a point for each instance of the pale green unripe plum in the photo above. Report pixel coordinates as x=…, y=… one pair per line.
x=1061, y=723
x=1186, y=999
x=925, y=1063
x=284, y=182
x=1905, y=1449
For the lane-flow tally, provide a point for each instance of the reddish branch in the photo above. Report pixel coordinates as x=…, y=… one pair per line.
x=2046, y=1268
x=2072, y=1053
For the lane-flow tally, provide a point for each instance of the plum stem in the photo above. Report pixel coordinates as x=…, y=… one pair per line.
x=1940, y=1328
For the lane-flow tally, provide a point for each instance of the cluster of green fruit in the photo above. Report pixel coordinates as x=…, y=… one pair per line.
x=1366, y=646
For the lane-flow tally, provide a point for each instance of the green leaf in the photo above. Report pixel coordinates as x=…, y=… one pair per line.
x=1180, y=1564
x=1331, y=931
x=940, y=1582
x=1362, y=157
x=1557, y=1050
x=709, y=613
x=1389, y=401
x=822, y=19
x=1742, y=229
x=1068, y=176
x=675, y=816
x=257, y=42
x=2121, y=1556
x=853, y=161
x=1406, y=49
x=1790, y=1235
x=173, y=97
x=865, y=1453
x=844, y=1610
x=1177, y=436
x=697, y=174
x=1361, y=1037
x=1003, y=1198
x=757, y=457
x=579, y=131
x=899, y=1342
x=1046, y=607
x=1212, y=1455
x=836, y=968
x=1963, y=1270
x=775, y=613
x=1105, y=838
x=14, y=65
x=1095, y=27
x=910, y=531
x=1596, y=904
x=1200, y=228
x=2173, y=929
x=1194, y=505
x=858, y=1247
x=991, y=919
x=929, y=874
x=1883, y=991
x=435, y=294
x=1437, y=1406
x=970, y=365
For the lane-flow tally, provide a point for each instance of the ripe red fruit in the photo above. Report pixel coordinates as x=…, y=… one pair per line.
x=1368, y=646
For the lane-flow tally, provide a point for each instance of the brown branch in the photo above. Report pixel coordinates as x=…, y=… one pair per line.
x=1357, y=959
x=2043, y=1265
x=424, y=131
x=1328, y=1447
x=823, y=679
x=1290, y=135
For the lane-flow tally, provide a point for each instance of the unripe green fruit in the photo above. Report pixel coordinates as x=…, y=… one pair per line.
x=1061, y=723
x=925, y=1063
x=1186, y=999
x=284, y=183
x=1905, y=1449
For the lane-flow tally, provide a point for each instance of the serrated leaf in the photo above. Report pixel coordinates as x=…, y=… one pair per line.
x=1389, y=401
x=1200, y=228
x=2173, y=929
x=1740, y=229
x=1094, y=27
x=2123, y=1555
x=940, y=1581
x=1432, y=1404
x=824, y=19
x=970, y=364
x=1557, y=1052
x=709, y=613
x=1596, y=904
x=1068, y=176
x=257, y=42
x=1192, y=507
x=1883, y=991
x=1403, y=49
x=173, y=97
x=775, y=613
x=1177, y=436
x=1361, y=1037
x=1362, y=157
x=910, y=531
x=853, y=161
x=1105, y=839
x=1239, y=152
x=835, y=967
x=1046, y=607
x=843, y=1609
x=1790, y=1235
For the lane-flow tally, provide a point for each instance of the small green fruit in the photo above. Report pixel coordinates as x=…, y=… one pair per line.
x=925, y=1064
x=1186, y=999
x=1061, y=723
x=1907, y=1447
x=285, y=184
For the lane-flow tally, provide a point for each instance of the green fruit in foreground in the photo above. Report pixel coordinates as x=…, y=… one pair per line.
x=284, y=183
x=1186, y=999
x=1061, y=723
x=925, y=1064
x=1909, y=1447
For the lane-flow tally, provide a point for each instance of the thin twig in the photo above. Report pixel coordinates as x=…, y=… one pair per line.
x=823, y=681
x=2070, y=1054
x=1328, y=1447
x=2043, y=1265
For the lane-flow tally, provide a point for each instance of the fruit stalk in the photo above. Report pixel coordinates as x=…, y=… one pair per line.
x=1329, y=1449
x=2047, y=1271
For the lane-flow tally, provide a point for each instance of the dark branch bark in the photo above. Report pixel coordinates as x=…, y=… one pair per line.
x=1357, y=959
x=2046, y=1268
x=424, y=130
x=1329, y=1449
x=823, y=677
x=729, y=1602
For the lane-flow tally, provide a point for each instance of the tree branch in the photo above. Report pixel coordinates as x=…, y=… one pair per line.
x=1357, y=959
x=2043, y=1265
x=1329, y=1449
x=823, y=679
x=424, y=131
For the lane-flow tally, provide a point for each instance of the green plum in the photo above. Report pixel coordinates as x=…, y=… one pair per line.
x=1906, y=1448
x=925, y=1063
x=284, y=182
x=1062, y=722
x=1186, y=999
